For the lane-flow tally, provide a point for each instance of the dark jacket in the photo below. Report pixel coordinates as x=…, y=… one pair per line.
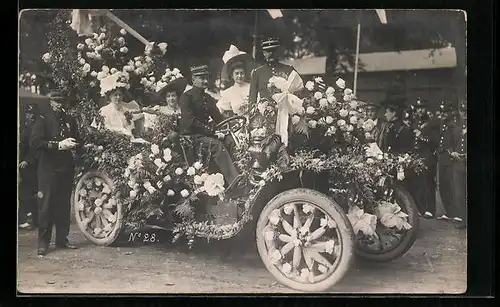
x=453, y=139
x=427, y=143
x=396, y=138
x=49, y=129
x=196, y=109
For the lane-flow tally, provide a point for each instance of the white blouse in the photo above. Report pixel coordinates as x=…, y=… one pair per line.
x=234, y=99
x=150, y=120
x=114, y=117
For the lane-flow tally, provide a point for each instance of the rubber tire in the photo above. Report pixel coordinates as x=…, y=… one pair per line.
x=409, y=238
x=343, y=225
x=111, y=238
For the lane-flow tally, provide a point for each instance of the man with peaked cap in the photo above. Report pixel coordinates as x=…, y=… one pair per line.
x=425, y=143
x=197, y=107
x=55, y=136
x=453, y=162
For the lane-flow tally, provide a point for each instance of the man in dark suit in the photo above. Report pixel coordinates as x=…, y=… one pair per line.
x=55, y=136
x=395, y=136
x=453, y=162
x=426, y=139
x=197, y=107
x=27, y=170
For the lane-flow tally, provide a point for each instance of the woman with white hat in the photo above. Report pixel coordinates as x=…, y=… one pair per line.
x=237, y=65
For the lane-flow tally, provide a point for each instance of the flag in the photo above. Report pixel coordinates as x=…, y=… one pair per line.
x=275, y=13
x=382, y=16
x=81, y=22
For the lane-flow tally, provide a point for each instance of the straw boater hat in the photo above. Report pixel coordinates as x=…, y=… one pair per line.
x=232, y=57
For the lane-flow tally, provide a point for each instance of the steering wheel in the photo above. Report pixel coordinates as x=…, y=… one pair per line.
x=231, y=125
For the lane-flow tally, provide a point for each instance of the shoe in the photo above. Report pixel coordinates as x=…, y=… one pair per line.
x=42, y=251
x=25, y=226
x=457, y=219
x=428, y=215
x=29, y=214
x=66, y=245
x=443, y=217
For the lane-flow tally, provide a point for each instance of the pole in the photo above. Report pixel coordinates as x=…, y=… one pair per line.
x=255, y=42
x=357, y=59
x=128, y=28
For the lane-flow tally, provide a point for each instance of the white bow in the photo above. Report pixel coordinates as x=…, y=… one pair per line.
x=288, y=103
x=231, y=53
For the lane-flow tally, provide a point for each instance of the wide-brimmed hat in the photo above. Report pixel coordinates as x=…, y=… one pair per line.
x=177, y=85
x=56, y=96
x=114, y=81
x=270, y=44
x=199, y=70
x=233, y=56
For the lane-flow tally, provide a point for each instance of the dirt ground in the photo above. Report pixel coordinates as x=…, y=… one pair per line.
x=436, y=264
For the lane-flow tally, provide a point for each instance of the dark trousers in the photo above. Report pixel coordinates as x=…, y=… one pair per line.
x=27, y=194
x=424, y=187
x=219, y=155
x=54, y=205
x=453, y=187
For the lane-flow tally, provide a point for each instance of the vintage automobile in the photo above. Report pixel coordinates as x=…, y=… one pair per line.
x=310, y=219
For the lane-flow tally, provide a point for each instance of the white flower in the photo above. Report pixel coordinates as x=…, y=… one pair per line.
x=105, y=68
x=340, y=83
x=93, y=73
x=191, y=171
x=176, y=71
x=401, y=159
x=370, y=161
x=159, y=184
x=341, y=122
x=274, y=217
x=269, y=235
x=102, y=36
x=152, y=79
x=167, y=158
x=331, y=99
x=295, y=119
x=121, y=41
x=331, y=130
x=158, y=162
x=329, y=120
x=380, y=156
x=88, y=41
x=312, y=123
x=353, y=120
x=330, y=91
x=343, y=113
x=86, y=67
x=401, y=175
x=309, y=85
x=133, y=194
x=288, y=209
x=184, y=193
x=198, y=180
x=204, y=176
x=368, y=125
x=123, y=49
x=310, y=110
x=179, y=171
x=123, y=32
x=318, y=95
x=155, y=149
x=347, y=91
x=350, y=128
x=151, y=190
x=81, y=61
x=304, y=273
x=198, y=165
x=170, y=192
x=323, y=102
x=353, y=104
x=214, y=184
x=307, y=208
x=347, y=98
x=163, y=47
x=98, y=48
x=286, y=268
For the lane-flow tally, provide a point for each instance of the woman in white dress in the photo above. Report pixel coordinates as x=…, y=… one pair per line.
x=237, y=65
x=168, y=97
x=119, y=116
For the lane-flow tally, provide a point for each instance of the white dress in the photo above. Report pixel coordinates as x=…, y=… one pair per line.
x=150, y=120
x=234, y=98
x=114, y=117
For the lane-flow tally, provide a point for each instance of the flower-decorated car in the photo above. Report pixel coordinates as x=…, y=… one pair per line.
x=310, y=205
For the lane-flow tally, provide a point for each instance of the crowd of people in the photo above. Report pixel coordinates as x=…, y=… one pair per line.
x=50, y=143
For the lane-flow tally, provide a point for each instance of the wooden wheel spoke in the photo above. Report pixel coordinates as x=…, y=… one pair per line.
x=317, y=233
x=287, y=227
x=307, y=258
x=287, y=248
x=296, y=217
x=319, y=258
x=297, y=256
x=307, y=223
x=285, y=238
x=108, y=216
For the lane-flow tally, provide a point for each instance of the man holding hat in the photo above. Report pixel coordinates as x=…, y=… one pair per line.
x=197, y=107
x=453, y=162
x=55, y=136
x=425, y=143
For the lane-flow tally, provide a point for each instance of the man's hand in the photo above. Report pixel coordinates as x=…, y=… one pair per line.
x=455, y=155
x=68, y=143
x=23, y=164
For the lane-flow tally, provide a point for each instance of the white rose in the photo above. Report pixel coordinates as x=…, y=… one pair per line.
x=123, y=49
x=191, y=171
x=331, y=99
x=167, y=152
x=310, y=85
x=176, y=71
x=184, y=193
x=214, y=184
x=310, y=110
x=353, y=120
x=370, y=161
x=113, y=70
x=198, y=165
x=93, y=73
x=155, y=149
x=331, y=130
x=368, y=125
x=179, y=171
x=158, y=163
x=152, y=79
x=105, y=68
x=138, y=63
x=318, y=95
x=198, y=180
x=92, y=83
x=312, y=123
x=318, y=79
x=343, y=113
x=81, y=61
x=170, y=193
x=133, y=194
x=167, y=179
x=330, y=91
x=350, y=128
x=167, y=158
x=121, y=40
x=123, y=32
x=329, y=119
x=347, y=91
x=295, y=119
x=353, y=104
x=323, y=102
x=46, y=57
x=347, y=98
x=340, y=83
x=341, y=122
x=80, y=46
x=86, y=67
x=88, y=41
